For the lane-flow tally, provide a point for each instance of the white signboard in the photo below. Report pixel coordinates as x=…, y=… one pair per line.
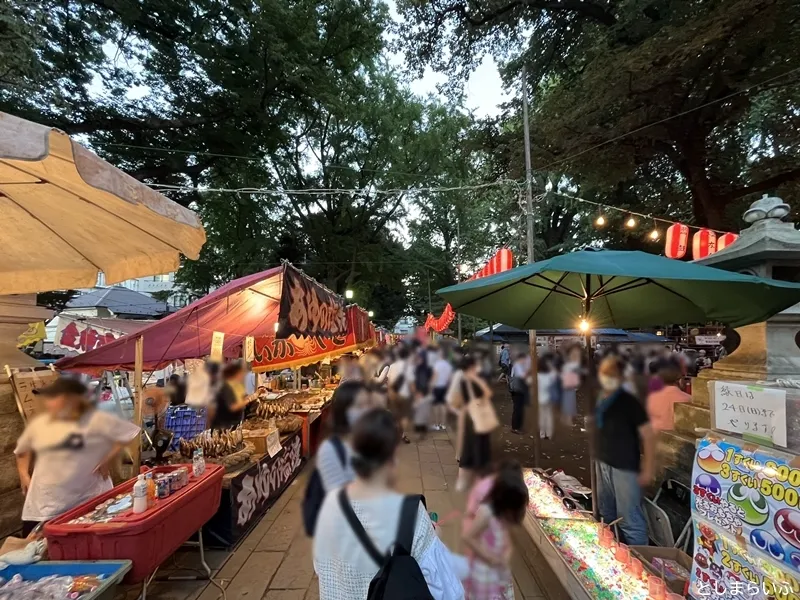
x=752, y=411
x=708, y=340
x=216, y=346
x=249, y=349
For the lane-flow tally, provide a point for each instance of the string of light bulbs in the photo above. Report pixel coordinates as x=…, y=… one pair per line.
x=600, y=221
x=631, y=222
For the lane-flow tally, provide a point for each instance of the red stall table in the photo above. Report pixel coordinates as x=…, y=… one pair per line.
x=148, y=538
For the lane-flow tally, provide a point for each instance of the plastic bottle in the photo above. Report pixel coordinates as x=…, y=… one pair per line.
x=198, y=463
x=151, y=489
x=139, y=495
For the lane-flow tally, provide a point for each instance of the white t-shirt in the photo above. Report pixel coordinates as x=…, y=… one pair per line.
x=395, y=370
x=67, y=453
x=345, y=569
x=443, y=371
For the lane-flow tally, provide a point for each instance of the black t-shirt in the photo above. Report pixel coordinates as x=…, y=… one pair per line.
x=477, y=391
x=618, y=443
x=225, y=418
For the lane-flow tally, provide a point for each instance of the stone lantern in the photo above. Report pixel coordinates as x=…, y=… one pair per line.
x=768, y=351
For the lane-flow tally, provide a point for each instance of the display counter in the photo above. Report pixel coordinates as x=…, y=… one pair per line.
x=148, y=538
x=569, y=540
x=250, y=490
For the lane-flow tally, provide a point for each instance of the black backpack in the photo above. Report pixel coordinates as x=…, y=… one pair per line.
x=315, y=491
x=399, y=577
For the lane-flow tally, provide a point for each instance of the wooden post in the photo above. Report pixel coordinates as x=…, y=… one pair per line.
x=138, y=402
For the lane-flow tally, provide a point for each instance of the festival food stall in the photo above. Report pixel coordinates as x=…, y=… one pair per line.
x=275, y=320
x=304, y=408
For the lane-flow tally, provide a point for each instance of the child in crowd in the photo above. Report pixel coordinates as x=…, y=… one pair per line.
x=495, y=504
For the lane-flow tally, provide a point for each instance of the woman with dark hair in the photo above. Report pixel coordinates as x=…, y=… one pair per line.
x=477, y=420
x=344, y=566
x=333, y=457
x=231, y=398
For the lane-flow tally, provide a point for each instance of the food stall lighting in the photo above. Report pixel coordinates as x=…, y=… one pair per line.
x=719, y=334
x=600, y=221
x=659, y=332
x=630, y=223
x=584, y=326
x=276, y=327
x=654, y=235
x=463, y=269
x=371, y=314
x=348, y=294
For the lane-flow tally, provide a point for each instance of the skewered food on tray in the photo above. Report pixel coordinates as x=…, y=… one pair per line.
x=214, y=445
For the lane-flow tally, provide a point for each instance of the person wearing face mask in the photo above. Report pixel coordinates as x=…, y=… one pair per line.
x=349, y=402
x=625, y=453
x=75, y=446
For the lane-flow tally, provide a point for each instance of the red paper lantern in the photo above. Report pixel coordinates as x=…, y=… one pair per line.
x=704, y=243
x=677, y=241
x=725, y=240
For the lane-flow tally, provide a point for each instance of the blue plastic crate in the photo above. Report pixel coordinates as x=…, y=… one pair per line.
x=185, y=422
x=112, y=570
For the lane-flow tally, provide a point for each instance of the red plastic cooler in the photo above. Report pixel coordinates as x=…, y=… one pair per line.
x=147, y=539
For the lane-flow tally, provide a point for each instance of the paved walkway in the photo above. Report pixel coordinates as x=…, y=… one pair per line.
x=274, y=561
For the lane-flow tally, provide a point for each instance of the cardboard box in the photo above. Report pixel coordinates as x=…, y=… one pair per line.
x=257, y=437
x=647, y=553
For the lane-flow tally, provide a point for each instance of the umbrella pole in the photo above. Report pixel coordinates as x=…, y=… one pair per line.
x=590, y=423
x=590, y=389
x=533, y=409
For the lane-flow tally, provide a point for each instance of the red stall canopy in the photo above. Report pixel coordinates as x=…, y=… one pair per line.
x=249, y=306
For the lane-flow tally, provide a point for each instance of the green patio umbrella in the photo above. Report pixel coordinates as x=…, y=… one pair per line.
x=611, y=288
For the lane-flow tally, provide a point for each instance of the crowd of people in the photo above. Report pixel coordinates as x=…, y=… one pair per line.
x=385, y=398
x=411, y=389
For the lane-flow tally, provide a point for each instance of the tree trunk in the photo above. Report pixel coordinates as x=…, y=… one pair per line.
x=708, y=206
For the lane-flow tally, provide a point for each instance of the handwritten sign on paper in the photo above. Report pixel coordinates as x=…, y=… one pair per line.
x=249, y=349
x=25, y=382
x=273, y=442
x=217, y=339
x=752, y=411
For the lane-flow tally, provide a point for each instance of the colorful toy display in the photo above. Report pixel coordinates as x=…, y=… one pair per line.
x=746, y=521
x=601, y=574
x=751, y=492
x=547, y=501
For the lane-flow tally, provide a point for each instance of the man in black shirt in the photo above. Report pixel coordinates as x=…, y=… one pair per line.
x=625, y=454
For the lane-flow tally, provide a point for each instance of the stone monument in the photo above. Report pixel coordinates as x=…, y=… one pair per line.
x=768, y=351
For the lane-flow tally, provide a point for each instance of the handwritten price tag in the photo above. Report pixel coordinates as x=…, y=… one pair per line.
x=752, y=411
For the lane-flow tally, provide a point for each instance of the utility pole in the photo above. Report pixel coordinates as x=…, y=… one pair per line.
x=534, y=390
x=458, y=268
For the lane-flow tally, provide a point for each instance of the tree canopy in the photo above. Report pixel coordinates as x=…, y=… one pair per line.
x=696, y=98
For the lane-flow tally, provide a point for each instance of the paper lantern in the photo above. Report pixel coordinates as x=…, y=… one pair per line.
x=704, y=243
x=677, y=241
x=506, y=259
x=725, y=240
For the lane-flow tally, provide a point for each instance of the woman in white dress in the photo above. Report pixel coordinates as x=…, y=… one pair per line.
x=345, y=569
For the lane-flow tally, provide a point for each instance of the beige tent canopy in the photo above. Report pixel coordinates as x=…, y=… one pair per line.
x=65, y=214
